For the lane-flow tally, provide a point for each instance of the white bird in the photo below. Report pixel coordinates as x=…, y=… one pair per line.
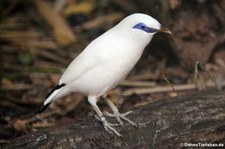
x=105, y=62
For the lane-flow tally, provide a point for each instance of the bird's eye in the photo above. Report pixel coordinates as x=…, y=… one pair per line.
x=145, y=28
x=142, y=26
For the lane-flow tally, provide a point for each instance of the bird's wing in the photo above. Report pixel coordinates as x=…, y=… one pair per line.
x=90, y=57
x=79, y=66
x=86, y=61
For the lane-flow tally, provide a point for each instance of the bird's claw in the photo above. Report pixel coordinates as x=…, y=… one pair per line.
x=104, y=119
x=109, y=126
x=120, y=116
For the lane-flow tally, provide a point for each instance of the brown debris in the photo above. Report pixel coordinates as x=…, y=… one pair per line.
x=197, y=31
x=61, y=31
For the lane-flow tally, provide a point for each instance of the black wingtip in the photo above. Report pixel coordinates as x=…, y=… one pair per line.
x=55, y=88
x=43, y=108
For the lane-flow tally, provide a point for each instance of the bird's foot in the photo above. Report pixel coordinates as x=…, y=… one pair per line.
x=120, y=116
x=109, y=126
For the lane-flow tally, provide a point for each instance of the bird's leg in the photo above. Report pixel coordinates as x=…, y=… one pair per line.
x=108, y=126
x=116, y=113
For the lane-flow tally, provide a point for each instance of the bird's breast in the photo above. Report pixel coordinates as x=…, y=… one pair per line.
x=118, y=60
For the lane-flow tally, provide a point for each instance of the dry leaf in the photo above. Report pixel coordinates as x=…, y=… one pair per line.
x=20, y=125
x=83, y=7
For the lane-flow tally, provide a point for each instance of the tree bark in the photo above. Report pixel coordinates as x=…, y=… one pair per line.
x=194, y=118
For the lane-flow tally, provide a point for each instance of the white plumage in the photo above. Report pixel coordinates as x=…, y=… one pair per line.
x=106, y=61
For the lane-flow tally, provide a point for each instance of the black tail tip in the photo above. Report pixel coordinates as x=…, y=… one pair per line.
x=43, y=108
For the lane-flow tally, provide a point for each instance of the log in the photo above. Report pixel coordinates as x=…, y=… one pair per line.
x=193, y=119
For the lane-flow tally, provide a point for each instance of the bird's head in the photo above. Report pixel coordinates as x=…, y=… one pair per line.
x=141, y=27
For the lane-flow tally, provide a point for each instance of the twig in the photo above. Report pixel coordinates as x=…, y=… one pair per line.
x=137, y=83
x=171, y=85
x=161, y=89
x=211, y=78
x=197, y=75
x=17, y=86
x=42, y=125
x=111, y=18
x=52, y=56
x=146, y=76
x=2, y=141
x=39, y=116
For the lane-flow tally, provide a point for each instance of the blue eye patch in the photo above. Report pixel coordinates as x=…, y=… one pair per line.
x=143, y=27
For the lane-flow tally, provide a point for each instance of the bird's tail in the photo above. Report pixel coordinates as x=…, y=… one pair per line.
x=50, y=97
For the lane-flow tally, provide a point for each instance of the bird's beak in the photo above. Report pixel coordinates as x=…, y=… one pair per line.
x=164, y=30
